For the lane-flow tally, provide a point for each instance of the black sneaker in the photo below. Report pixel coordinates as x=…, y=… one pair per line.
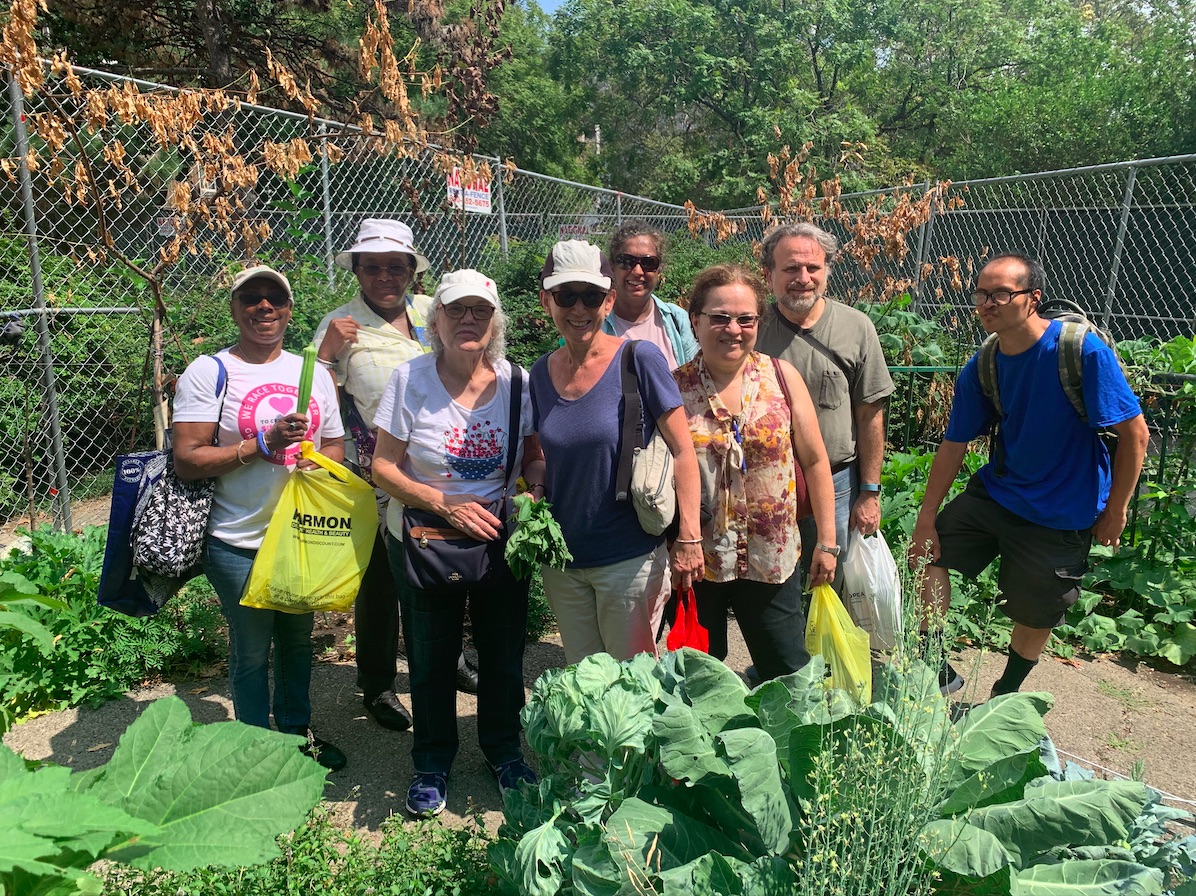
x=950, y=681
x=388, y=710
x=467, y=676
x=510, y=773
x=322, y=752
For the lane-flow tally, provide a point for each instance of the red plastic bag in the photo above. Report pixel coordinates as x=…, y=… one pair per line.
x=686, y=631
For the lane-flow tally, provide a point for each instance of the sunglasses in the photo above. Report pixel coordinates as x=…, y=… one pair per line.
x=252, y=300
x=647, y=263
x=745, y=321
x=456, y=311
x=394, y=270
x=591, y=298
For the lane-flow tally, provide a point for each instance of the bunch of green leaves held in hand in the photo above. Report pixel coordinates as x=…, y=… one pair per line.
x=537, y=538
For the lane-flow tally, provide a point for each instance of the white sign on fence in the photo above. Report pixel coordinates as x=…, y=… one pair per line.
x=477, y=193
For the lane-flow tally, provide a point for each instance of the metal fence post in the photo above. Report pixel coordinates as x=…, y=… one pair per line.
x=1122, y=226
x=328, y=254
x=502, y=210
x=618, y=209
x=920, y=257
x=62, y=500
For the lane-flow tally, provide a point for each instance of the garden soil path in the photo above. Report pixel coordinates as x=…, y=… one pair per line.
x=1107, y=713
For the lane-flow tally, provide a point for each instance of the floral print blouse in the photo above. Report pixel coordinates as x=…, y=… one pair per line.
x=749, y=507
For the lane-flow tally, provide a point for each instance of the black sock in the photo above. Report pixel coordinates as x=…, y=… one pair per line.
x=1016, y=670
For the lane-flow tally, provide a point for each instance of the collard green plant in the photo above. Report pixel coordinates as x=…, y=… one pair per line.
x=174, y=795
x=671, y=777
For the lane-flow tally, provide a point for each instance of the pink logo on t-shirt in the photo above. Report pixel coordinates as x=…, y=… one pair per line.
x=262, y=407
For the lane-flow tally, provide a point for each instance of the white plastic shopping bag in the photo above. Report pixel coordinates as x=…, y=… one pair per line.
x=873, y=589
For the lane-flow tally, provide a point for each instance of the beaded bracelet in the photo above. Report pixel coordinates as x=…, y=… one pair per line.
x=241, y=460
x=262, y=446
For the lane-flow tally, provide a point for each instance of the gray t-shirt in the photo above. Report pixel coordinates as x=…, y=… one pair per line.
x=850, y=335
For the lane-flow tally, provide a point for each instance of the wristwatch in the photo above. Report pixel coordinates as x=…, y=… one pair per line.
x=833, y=551
x=870, y=486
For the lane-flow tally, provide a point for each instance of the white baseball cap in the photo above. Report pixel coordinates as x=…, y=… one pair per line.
x=576, y=261
x=382, y=235
x=263, y=272
x=457, y=285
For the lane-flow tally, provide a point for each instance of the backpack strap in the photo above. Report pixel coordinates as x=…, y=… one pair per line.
x=1071, y=365
x=986, y=367
x=632, y=425
x=513, y=436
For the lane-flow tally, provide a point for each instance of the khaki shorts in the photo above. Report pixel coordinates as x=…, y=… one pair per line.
x=1041, y=568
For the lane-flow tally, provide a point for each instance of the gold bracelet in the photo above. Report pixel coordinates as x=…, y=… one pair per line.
x=240, y=445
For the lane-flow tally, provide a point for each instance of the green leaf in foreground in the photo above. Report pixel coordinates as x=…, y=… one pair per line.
x=537, y=539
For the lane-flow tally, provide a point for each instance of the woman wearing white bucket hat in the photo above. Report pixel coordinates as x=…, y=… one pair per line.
x=362, y=342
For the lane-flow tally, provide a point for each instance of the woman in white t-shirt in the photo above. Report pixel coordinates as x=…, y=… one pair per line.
x=443, y=445
x=235, y=420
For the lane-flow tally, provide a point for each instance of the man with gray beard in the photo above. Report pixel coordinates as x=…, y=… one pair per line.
x=835, y=349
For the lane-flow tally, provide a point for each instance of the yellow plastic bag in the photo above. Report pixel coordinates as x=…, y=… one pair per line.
x=318, y=543
x=831, y=634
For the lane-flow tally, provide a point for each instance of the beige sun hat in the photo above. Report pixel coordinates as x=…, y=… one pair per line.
x=382, y=235
x=457, y=285
x=263, y=272
x=576, y=261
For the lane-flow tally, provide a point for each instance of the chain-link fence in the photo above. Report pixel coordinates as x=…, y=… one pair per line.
x=1117, y=238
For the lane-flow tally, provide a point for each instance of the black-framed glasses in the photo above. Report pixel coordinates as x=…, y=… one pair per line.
x=567, y=298
x=997, y=296
x=456, y=310
x=721, y=320
x=647, y=263
x=252, y=300
x=394, y=270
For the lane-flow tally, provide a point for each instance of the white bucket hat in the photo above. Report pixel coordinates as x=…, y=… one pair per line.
x=262, y=272
x=458, y=285
x=382, y=235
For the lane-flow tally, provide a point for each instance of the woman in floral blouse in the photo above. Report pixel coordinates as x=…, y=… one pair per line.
x=748, y=413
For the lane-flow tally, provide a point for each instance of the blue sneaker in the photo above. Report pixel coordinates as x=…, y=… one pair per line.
x=509, y=774
x=427, y=794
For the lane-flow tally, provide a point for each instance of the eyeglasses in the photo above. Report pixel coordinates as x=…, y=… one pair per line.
x=252, y=300
x=745, y=321
x=456, y=311
x=997, y=296
x=591, y=298
x=648, y=263
x=394, y=270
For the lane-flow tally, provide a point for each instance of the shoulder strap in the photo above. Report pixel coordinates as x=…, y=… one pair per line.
x=632, y=427
x=513, y=421
x=986, y=367
x=1071, y=365
x=418, y=324
x=833, y=356
x=776, y=366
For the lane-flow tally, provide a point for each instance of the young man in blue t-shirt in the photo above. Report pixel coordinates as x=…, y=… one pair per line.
x=1053, y=489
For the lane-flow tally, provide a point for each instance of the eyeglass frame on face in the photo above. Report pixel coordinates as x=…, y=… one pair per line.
x=394, y=270
x=456, y=311
x=721, y=320
x=649, y=264
x=276, y=299
x=991, y=296
x=584, y=296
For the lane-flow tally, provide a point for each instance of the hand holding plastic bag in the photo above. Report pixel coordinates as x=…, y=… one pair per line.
x=873, y=589
x=318, y=543
x=831, y=634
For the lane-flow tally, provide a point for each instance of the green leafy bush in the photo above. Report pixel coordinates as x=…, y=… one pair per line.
x=671, y=778
x=318, y=859
x=98, y=652
x=169, y=798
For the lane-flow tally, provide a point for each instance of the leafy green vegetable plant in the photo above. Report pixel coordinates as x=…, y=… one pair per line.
x=537, y=538
x=174, y=795
x=672, y=778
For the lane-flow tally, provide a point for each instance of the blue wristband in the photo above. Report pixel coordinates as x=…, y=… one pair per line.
x=870, y=486
x=262, y=446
